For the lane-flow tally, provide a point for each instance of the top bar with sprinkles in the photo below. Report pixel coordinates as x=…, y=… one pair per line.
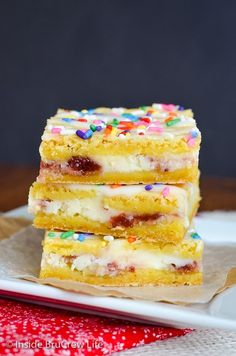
x=158, y=143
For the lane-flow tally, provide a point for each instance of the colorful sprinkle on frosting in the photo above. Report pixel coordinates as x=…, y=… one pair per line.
x=56, y=130
x=67, y=234
x=165, y=192
x=148, y=187
x=80, y=133
x=191, y=138
x=195, y=236
x=131, y=239
x=81, y=237
x=173, y=122
x=160, y=120
x=114, y=186
x=51, y=234
x=66, y=119
x=93, y=127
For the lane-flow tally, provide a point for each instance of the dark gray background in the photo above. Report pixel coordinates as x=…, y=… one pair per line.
x=78, y=54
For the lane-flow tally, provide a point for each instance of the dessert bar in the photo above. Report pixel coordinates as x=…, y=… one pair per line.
x=158, y=143
x=110, y=261
x=153, y=211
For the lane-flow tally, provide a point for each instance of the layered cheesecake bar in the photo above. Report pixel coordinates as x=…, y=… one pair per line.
x=154, y=211
x=110, y=261
x=158, y=143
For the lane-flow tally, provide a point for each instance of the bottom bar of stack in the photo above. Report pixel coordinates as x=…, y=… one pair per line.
x=110, y=261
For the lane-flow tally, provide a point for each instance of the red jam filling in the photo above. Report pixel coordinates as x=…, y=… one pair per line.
x=83, y=164
x=129, y=221
x=190, y=267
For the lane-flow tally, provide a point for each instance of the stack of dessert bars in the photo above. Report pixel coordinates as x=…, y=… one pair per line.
x=117, y=191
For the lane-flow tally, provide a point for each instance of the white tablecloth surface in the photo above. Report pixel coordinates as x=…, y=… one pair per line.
x=210, y=342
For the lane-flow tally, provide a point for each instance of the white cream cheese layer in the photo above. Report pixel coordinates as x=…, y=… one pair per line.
x=119, y=163
x=95, y=209
x=119, y=257
x=90, y=208
x=139, y=163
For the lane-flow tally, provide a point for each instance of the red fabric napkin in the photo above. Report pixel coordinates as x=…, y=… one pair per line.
x=27, y=329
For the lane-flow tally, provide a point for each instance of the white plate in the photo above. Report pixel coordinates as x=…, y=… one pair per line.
x=216, y=227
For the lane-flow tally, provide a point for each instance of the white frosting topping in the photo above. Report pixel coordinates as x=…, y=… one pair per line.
x=158, y=121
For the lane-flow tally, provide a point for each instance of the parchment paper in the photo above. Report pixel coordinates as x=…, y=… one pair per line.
x=9, y=226
x=20, y=257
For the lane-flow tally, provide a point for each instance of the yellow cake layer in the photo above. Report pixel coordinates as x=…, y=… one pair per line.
x=187, y=248
x=140, y=277
x=172, y=231
x=146, y=177
x=60, y=192
x=64, y=147
x=112, y=197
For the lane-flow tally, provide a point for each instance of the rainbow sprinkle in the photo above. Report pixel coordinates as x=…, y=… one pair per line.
x=56, y=130
x=173, y=122
x=191, y=138
x=51, y=234
x=195, y=236
x=67, y=119
x=93, y=127
x=165, y=192
x=114, y=186
x=191, y=142
x=148, y=187
x=67, y=234
x=80, y=133
x=131, y=239
x=81, y=237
